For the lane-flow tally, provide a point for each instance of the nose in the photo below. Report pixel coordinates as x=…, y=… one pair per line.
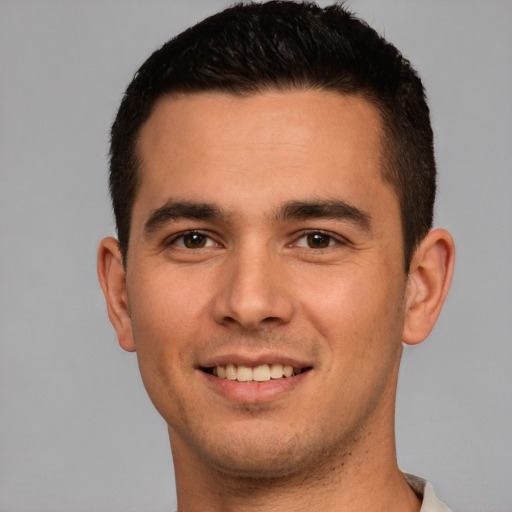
x=254, y=293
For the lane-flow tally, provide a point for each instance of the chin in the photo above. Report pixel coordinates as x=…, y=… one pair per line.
x=263, y=455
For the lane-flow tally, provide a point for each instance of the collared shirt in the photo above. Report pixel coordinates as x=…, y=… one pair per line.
x=425, y=491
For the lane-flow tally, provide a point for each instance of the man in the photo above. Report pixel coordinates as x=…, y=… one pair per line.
x=273, y=180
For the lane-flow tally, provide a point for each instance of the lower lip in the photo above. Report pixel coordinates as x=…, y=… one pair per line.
x=254, y=392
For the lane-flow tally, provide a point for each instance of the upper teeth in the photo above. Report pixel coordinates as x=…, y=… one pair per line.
x=260, y=373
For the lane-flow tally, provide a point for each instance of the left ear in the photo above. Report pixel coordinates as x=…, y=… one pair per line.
x=429, y=280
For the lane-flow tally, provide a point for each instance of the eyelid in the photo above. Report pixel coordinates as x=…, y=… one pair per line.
x=171, y=240
x=213, y=240
x=337, y=238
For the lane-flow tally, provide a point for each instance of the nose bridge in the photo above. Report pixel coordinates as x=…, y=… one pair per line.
x=253, y=293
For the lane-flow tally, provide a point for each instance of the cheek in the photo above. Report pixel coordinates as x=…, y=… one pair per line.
x=355, y=308
x=167, y=316
x=166, y=303
x=164, y=324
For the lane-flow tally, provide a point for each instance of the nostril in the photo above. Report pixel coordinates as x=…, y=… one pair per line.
x=253, y=323
x=272, y=319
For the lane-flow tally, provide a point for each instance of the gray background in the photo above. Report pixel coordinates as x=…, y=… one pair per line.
x=77, y=432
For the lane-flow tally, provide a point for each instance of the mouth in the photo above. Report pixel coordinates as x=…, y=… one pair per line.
x=256, y=374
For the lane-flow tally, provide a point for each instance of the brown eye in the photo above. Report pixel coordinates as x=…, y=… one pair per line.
x=318, y=240
x=194, y=240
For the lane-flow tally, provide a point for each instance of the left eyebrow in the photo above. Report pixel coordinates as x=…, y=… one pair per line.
x=174, y=210
x=325, y=209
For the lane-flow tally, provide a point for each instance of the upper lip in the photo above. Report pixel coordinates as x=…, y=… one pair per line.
x=253, y=359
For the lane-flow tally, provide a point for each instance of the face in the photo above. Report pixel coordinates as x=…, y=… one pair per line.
x=265, y=281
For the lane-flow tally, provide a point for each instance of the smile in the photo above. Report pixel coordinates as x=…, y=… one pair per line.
x=260, y=373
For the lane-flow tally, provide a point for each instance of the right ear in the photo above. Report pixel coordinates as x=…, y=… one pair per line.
x=113, y=283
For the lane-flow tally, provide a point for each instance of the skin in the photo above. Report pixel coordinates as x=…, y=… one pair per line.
x=257, y=287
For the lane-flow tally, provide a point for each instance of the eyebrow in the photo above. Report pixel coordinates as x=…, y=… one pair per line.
x=325, y=209
x=174, y=210
x=293, y=210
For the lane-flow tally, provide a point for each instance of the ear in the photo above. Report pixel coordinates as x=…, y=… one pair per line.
x=113, y=283
x=429, y=280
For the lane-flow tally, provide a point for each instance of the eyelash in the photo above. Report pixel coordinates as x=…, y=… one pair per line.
x=182, y=236
x=332, y=240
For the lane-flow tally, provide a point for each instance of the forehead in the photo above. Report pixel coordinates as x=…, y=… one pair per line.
x=270, y=145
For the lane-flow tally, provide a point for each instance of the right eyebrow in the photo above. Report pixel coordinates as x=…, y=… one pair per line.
x=173, y=210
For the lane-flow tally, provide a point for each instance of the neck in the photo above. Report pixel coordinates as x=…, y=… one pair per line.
x=379, y=488
x=363, y=476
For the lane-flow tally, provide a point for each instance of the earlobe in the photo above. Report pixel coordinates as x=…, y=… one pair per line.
x=112, y=279
x=428, y=284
